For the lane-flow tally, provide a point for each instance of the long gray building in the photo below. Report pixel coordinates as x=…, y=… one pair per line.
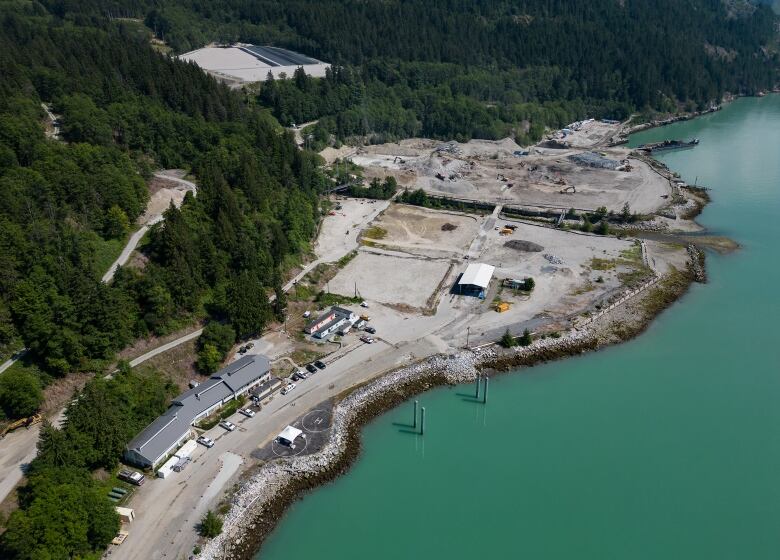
x=167, y=432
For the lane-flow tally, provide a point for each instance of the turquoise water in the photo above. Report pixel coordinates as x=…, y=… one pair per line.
x=665, y=447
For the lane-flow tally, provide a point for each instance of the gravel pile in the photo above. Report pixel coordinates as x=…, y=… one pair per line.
x=552, y=259
x=524, y=246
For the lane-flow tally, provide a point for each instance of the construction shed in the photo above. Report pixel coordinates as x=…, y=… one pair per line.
x=475, y=280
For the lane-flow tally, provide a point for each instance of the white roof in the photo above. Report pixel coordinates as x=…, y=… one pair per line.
x=290, y=433
x=477, y=274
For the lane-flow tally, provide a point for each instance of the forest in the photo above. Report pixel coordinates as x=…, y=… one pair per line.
x=457, y=69
x=67, y=204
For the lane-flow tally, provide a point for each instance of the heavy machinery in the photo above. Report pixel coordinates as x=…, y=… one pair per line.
x=569, y=190
x=21, y=423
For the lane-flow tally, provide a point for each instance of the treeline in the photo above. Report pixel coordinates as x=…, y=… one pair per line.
x=64, y=510
x=384, y=102
x=126, y=109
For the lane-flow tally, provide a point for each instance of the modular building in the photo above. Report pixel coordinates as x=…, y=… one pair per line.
x=160, y=438
x=331, y=322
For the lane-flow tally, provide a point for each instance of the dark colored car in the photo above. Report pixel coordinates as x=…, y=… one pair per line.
x=371, y=330
x=319, y=364
x=311, y=368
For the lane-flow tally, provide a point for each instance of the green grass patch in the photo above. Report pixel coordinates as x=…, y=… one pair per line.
x=633, y=254
x=106, y=252
x=344, y=261
x=602, y=264
x=375, y=232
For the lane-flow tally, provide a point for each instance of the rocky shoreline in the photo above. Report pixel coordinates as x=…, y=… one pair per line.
x=260, y=503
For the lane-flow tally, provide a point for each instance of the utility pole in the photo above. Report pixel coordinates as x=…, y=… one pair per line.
x=468, y=334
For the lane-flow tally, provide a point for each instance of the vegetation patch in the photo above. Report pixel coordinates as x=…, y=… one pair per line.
x=375, y=232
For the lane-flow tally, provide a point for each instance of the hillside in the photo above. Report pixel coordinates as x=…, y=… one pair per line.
x=504, y=66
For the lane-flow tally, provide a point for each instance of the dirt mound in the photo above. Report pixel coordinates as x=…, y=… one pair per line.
x=449, y=227
x=524, y=246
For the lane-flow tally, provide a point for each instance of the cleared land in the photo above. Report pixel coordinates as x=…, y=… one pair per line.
x=394, y=280
x=425, y=232
x=239, y=64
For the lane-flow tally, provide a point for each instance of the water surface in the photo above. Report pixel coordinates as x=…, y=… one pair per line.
x=665, y=447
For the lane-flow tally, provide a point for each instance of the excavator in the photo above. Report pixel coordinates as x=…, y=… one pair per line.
x=22, y=422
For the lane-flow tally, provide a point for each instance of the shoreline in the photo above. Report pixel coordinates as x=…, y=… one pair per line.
x=261, y=502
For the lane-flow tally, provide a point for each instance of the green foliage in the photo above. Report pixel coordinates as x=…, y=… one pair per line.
x=487, y=69
x=377, y=189
x=326, y=299
x=213, y=345
x=529, y=284
x=116, y=224
x=602, y=228
x=210, y=526
x=507, y=340
x=66, y=207
x=209, y=358
x=525, y=339
x=20, y=393
x=63, y=511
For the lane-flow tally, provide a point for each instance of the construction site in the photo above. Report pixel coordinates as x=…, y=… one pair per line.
x=576, y=169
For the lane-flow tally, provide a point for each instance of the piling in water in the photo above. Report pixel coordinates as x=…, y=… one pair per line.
x=422, y=420
x=484, y=395
x=479, y=381
x=414, y=422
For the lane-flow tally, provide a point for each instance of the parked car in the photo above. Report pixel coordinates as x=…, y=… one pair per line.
x=249, y=413
x=311, y=368
x=250, y=345
x=228, y=425
x=289, y=387
x=363, y=304
x=370, y=330
x=306, y=314
x=242, y=350
x=298, y=376
x=367, y=339
x=319, y=364
x=207, y=441
x=182, y=464
x=133, y=477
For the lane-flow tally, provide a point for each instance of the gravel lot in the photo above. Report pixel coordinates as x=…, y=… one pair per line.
x=390, y=279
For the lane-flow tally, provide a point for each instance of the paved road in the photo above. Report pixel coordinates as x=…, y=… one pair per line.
x=132, y=243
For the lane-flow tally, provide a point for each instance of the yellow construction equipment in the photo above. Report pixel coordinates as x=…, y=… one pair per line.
x=22, y=422
x=506, y=231
x=501, y=306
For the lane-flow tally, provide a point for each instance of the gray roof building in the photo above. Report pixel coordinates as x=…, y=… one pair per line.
x=168, y=431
